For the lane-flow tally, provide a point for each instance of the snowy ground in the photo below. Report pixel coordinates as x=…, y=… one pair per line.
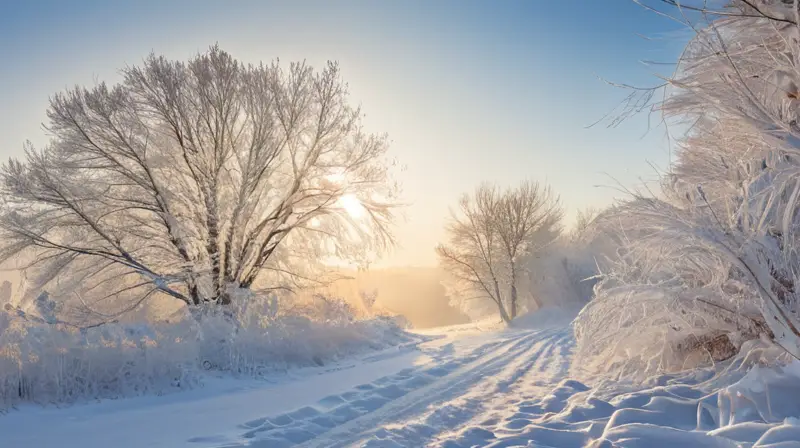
x=466, y=387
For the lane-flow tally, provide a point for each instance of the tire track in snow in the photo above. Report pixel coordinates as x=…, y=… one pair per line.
x=533, y=372
x=334, y=412
x=431, y=424
x=433, y=402
x=460, y=395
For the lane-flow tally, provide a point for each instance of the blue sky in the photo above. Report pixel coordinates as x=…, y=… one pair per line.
x=468, y=91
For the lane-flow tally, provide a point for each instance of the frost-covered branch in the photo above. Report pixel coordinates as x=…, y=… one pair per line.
x=197, y=177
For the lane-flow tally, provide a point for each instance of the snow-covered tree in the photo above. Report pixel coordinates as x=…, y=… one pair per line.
x=565, y=271
x=487, y=241
x=583, y=223
x=188, y=179
x=528, y=220
x=712, y=260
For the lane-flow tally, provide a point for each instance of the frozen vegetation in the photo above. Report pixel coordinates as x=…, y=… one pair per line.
x=225, y=189
x=54, y=363
x=464, y=386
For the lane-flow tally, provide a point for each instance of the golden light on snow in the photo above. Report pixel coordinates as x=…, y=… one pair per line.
x=351, y=205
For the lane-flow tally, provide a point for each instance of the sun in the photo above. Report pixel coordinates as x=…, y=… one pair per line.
x=351, y=205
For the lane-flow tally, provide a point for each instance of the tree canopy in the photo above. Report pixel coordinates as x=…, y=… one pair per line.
x=190, y=178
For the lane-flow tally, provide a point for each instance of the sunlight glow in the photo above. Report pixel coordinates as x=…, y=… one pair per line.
x=337, y=177
x=352, y=205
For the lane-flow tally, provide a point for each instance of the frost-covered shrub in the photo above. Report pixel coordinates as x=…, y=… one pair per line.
x=54, y=362
x=368, y=299
x=684, y=291
x=44, y=362
x=251, y=343
x=565, y=272
x=712, y=259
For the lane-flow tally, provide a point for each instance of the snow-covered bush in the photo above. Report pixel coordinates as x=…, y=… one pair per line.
x=368, y=299
x=54, y=362
x=565, y=272
x=44, y=362
x=677, y=296
x=712, y=260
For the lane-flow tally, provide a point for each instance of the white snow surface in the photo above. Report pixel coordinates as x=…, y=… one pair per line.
x=474, y=385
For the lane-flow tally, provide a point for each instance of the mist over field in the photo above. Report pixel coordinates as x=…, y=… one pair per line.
x=416, y=293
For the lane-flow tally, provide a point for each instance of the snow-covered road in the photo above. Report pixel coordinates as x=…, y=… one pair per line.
x=461, y=385
x=461, y=388
x=426, y=405
x=411, y=396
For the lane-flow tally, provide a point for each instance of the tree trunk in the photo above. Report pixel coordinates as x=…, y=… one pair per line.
x=194, y=293
x=513, y=291
x=501, y=307
x=503, y=313
x=212, y=244
x=513, y=301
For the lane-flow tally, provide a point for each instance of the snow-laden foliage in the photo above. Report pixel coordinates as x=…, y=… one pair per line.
x=565, y=271
x=188, y=179
x=46, y=362
x=712, y=259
